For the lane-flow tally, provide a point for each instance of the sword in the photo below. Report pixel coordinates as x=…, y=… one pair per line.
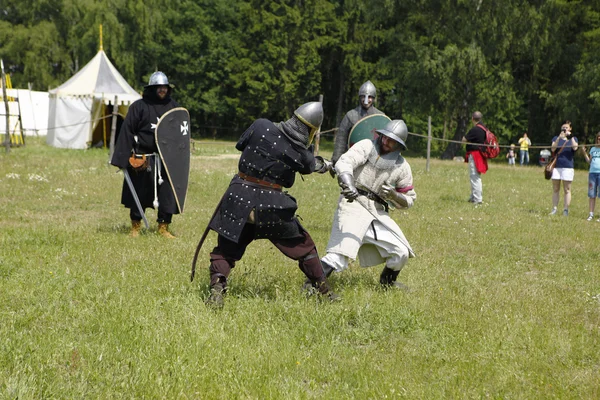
x=203, y=238
x=403, y=241
x=135, y=196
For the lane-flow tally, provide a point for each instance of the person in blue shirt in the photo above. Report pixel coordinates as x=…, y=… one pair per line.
x=594, y=175
x=564, y=145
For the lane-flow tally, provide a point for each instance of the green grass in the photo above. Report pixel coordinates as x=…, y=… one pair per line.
x=505, y=299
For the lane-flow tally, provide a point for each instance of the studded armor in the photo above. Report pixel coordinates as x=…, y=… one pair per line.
x=270, y=157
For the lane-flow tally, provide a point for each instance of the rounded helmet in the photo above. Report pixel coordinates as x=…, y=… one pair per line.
x=158, y=79
x=311, y=115
x=397, y=130
x=367, y=89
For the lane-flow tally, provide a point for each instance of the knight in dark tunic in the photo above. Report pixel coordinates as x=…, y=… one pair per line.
x=255, y=206
x=137, y=137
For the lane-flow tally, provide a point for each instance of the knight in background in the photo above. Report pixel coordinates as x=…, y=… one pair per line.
x=136, y=138
x=373, y=177
x=366, y=96
x=255, y=205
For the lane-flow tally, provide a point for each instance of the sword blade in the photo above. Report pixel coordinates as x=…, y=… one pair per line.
x=135, y=196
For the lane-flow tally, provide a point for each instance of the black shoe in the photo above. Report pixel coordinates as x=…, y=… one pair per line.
x=327, y=269
x=388, y=276
x=388, y=280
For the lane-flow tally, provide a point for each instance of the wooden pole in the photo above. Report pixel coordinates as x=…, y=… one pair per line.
x=428, y=143
x=103, y=124
x=101, y=47
x=4, y=96
x=318, y=134
x=113, y=128
x=32, y=110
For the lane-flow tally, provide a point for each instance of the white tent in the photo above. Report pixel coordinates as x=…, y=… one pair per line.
x=33, y=108
x=78, y=116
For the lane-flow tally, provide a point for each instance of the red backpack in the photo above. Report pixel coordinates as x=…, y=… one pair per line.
x=490, y=148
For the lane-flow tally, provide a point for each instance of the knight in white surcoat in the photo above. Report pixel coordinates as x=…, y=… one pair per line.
x=374, y=176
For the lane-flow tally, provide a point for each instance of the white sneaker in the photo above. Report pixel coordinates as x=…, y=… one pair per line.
x=565, y=213
x=553, y=212
x=590, y=217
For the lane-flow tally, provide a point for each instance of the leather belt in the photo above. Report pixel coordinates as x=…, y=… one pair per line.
x=370, y=195
x=268, y=185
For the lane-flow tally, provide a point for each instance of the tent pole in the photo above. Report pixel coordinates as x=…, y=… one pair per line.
x=7, y=134
x=103, y=124
x=32, y=110
x=113, y=128
x=21, y=121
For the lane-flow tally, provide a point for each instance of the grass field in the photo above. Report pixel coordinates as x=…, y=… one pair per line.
x=505, y=300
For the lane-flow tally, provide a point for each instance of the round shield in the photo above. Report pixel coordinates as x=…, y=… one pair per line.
x=365, y=128
x=173, y=141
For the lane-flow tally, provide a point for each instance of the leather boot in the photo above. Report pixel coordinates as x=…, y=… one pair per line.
x=163, y=229
x=136, y=226
x=215, y=300
x=388, y=279
x=325, y=291
x=327, y=270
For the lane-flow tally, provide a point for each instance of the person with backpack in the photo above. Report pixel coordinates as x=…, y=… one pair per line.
x=477, y=162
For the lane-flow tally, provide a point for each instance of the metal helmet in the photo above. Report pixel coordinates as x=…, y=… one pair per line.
x=158, y=79
x=311, y=115
x=397, y=130
x=368, y=90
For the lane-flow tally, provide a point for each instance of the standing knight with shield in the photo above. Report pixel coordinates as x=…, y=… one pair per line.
x=136, y=152
x=373, y=176
x=366, y=95
x=255, y=206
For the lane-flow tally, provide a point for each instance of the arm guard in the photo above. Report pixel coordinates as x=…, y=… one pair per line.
x=397, y=199
x=349, y=191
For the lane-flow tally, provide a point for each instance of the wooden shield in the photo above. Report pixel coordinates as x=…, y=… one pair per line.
x=173, y=141
x=365, y=128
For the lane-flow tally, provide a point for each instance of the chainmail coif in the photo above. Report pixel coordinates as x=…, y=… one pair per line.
x=296, y=131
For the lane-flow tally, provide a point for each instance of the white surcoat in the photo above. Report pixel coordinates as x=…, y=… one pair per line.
x=351, y=220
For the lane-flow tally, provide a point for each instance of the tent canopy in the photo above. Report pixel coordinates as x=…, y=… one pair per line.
x=78, y=114
x=100, y=79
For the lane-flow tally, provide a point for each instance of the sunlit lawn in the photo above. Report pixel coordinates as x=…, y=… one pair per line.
x=505, y=300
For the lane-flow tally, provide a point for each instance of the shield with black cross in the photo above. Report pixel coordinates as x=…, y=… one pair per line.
x=173, y=141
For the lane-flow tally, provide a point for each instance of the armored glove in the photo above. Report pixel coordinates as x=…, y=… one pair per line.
x=389, y=193
x=349, y=191
x=322, y=165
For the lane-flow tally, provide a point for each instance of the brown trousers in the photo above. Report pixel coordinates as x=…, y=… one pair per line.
x=301, y=249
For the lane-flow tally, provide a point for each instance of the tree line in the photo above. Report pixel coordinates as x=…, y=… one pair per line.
x=528, y=65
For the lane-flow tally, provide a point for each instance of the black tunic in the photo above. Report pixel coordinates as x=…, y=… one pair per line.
x=267, y=154
x=141, y=120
